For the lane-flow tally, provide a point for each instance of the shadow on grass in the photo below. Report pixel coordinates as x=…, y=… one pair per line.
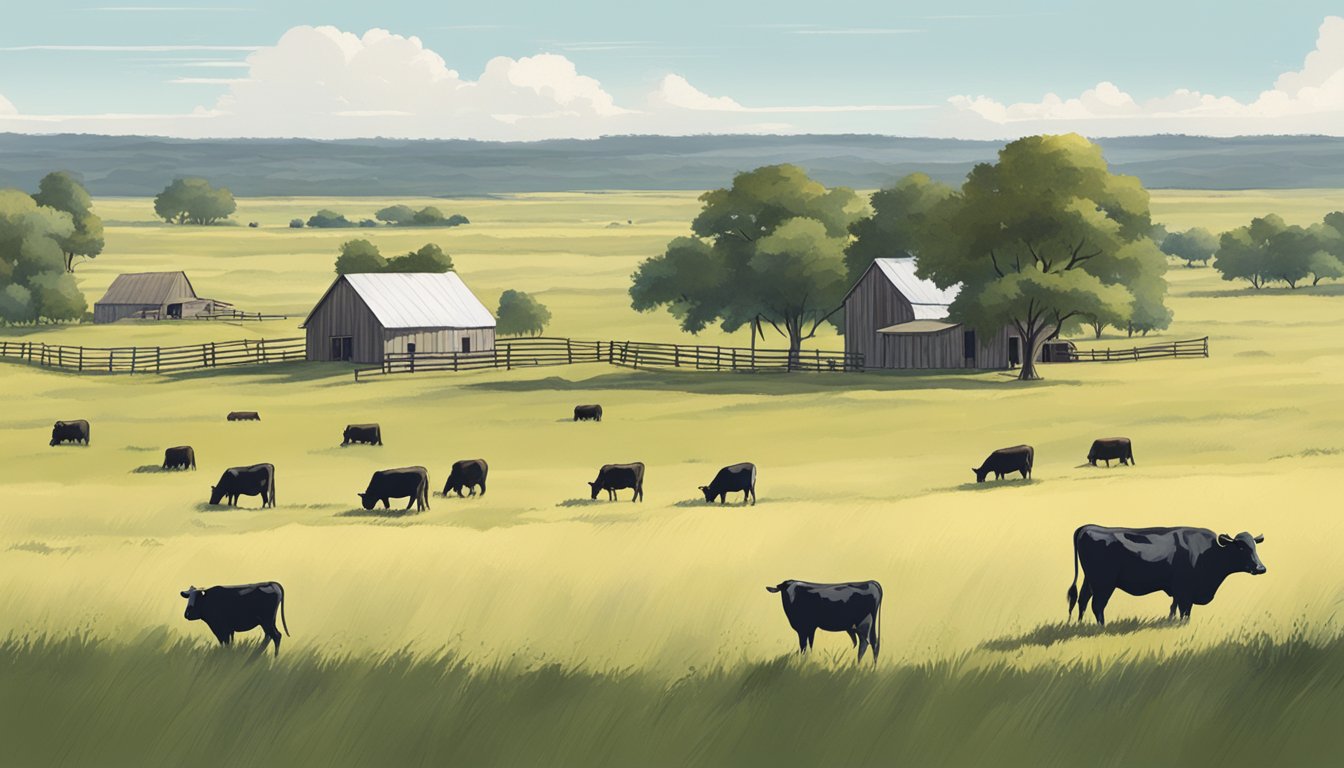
x=293, y=372
x=40, y=548
x=991, y=484
x=1333, y=289
x=582, y=502
x=1049, y=634
x=393, y=512
x=206, y=507
x=152, y=469
x=702, y=504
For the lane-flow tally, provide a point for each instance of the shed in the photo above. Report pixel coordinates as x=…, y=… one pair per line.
x=363, y=317
x=896, y=319
x=155, y=295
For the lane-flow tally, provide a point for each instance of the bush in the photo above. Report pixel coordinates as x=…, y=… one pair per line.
x=329, y=219
x=519, y=314
x=296, y=223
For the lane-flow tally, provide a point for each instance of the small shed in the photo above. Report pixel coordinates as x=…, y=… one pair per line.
x=896, y=319
x=154, y=295
x=363, y=317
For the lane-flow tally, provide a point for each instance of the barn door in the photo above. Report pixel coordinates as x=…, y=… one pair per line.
x=342, y=348
x=466, y=344
x=1014, y=351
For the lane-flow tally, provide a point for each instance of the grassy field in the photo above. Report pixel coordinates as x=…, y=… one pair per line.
x=535, y=626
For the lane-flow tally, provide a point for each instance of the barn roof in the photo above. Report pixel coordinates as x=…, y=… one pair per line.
x=928, y=301
x=911, y=327
x=417, y=300
x=148, y=288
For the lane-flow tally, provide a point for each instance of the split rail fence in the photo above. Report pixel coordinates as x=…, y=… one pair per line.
x=1184, y=348
x=178, y=359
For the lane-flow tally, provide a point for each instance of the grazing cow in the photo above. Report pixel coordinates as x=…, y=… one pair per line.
x=587, y=413
x=1189, y=564
x=409, y=482
x=256, y=480
x=181, y=457
x=244, y=416
x=731, y=479
x=615, y=477
x=467, y=473
x=226, y=610
x=854, y=608
x=370, y=434
x=70, y=432
x=1019, y=458
x=1108, y=448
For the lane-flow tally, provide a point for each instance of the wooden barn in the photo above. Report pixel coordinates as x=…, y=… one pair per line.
x=363, y=317
x=896, y=319
x=151, y=295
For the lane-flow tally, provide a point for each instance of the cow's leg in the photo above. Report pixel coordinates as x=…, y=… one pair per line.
x=802, y=641
x=1084, y=597
x=865, y=631
x=811, y=638
x=1185, y=607
x=414, y=497
x=853, y=637
x=1101, y=596
x=1171, y=613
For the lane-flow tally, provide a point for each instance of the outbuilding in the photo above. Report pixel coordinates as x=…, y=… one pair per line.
x=150, y=295
x=363, y=317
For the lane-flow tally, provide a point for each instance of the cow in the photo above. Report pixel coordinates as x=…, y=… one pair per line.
x=226, y=610
x=256, y=480
x=615, y=477
x=587, y=413
x=1108, y=448
x=181, y=457
x=409, y=482
x=731, y=479
x=1019, y=458
x=854, y=608
x=244, y=416
x=1189, y=564
x=467, y=473
x=369, y=434
x=70, y=432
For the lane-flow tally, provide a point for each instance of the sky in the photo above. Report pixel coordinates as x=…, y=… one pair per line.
x=527, y=70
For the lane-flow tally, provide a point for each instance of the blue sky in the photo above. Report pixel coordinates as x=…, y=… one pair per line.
x=902, y=65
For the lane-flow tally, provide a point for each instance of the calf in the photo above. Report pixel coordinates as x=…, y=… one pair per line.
x=467, y=473
x=731, y=479
x=181, y=457
x=256, y=480
x=244, y=416
x=1019, y=458
x=70, y=432
x=1109, y=448
x=226, y=610
x=369, y=434
x=411, y=483
x=853, y=608
x=587, y=413
x=615, y=477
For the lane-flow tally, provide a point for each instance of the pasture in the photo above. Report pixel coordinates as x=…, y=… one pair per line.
x=642, y=632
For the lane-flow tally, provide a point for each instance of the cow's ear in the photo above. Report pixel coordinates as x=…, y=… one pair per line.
x=1260, y=539
x=772, y=589
x=186, y=594
x=1224, y=539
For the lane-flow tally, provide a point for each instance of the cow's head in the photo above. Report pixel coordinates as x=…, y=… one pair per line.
x=216, y=494
x=194, y=599
x=368, y=500
x=1241, y=548
x=780, y=587
x=980, y=474
x=709, y=494
x=596, y=487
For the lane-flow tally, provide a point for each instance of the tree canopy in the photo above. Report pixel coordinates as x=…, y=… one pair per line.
x=359, y=256
x=62, y=191
x=892, y=231
x=363, y=256
x=34, y=283
x=1192, y=245
x=1270, y=250
x=329, y=219
x=194, y=201
x=429, y=216
x=520, y=314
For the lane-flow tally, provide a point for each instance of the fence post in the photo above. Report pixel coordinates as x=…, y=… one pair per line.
x=261, y=351
x=214, y=361
x=158, y=353
x=508, y=358
x=134, y=351
x=818, y=351
x=569, y=349
x=81, y=358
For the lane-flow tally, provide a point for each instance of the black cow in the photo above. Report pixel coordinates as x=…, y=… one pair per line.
x=1189, y=564
x=1019, y=458
x=467, y=473
x=731, y=479
x=1108, y=448
x=70, y=432
x=853, y=608
x=409, y=482
x=256, y=480
x=237, y=609
x=244, y=416
x=370, y=434
x=587, y=413
x=181, y=457
x=615, y=477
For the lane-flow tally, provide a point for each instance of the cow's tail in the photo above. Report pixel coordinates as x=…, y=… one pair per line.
x=272, y=487
x=283, y=622
x=1073, y=588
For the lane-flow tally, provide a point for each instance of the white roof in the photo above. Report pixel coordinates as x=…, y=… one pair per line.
x=928, y=300
x=420, y=300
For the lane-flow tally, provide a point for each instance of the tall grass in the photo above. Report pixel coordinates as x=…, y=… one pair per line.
x=79, y=700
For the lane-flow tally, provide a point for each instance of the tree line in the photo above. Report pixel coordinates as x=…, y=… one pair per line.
x=42, y=235
x=1268, y=250
x=393, y=215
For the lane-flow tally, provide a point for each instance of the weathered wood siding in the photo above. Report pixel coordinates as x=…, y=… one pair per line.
x=344, y=313
x=179, y=291
x=437, y=339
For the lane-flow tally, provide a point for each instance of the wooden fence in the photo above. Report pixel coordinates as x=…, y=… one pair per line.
x=1183, y=348
x=237, y=314
x=192, y=357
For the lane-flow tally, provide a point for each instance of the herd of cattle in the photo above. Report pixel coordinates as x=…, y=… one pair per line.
x=1187, y=564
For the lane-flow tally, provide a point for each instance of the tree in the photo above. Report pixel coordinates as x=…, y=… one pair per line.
x=359, y=256
x=429, y=258
x=396, y=214
x=769, y=250
x=1268, y=250
x=329, y=219
x=893, y=227
x=521, y=314
x=296, y=223
x=34, y=284
x=60, y=190
x=1040, y=240
x=194, y=201
x=1194, y=244
x=1325, y=266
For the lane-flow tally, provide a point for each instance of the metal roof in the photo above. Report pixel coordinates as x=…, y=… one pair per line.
x=917, y=326
x=418, y=300
x=928, y=300
x=147, y=288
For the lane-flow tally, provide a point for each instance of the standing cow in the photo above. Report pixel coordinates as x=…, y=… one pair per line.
x=1189, y=564
x=853, y=608
x=468, y=474
x=256, y=480
x=411, y=483
x=244, y=416
x=731, y=479
x=181, y=457
x=587, y=413
x=369, y=434
x=1019, y=458
x=1108, y=448
x=70, y=432
x=227, y=610
x=615, y=477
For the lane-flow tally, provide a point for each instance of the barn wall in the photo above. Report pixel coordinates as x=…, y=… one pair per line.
x=111, y=313
x=437, y=340
x=343, y=313
x=874, y=303
x=943, y=349
x=181, y=288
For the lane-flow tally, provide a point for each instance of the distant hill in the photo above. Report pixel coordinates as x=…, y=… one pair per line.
x=114, y=165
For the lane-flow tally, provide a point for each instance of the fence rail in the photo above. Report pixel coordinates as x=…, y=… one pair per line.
x=1183, y=348
x=192, y=357
x=237, y=314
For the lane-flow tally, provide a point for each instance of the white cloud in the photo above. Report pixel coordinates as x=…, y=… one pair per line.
x=6, y=107
x=675, y=91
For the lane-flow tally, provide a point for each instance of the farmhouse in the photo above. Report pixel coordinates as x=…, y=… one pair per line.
x=896, y=319
x=155, y=295
x=363, y=317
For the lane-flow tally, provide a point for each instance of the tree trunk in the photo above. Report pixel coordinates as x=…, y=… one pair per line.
x=795, y=347
x=1029, y=349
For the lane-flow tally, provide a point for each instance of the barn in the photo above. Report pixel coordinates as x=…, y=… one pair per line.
x=363, y=317
x=154, y=295
x=896, y=319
